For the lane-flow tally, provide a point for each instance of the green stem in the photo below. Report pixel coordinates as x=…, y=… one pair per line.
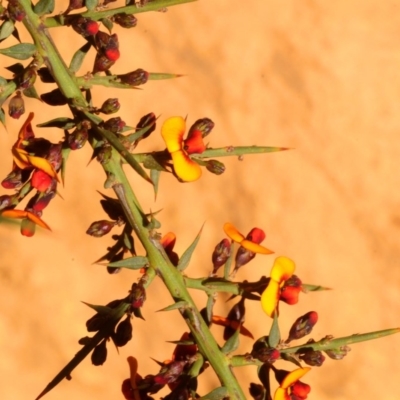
x=158, y=260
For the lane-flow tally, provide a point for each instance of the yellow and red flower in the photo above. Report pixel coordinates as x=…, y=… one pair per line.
x=281, y=271
x=180, y=149
x=290, y=387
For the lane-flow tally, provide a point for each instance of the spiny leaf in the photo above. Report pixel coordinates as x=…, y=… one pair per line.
x=232, y=343
x=155, y=177
x=78, y=57
x=187, y=255
x=136, y=262
x=274, y=335
x=44, y=7
x=176, y=306
x=21, y=51
x=238, y=151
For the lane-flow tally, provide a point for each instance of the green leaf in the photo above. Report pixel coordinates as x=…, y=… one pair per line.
x=219, y=393
x=136, y=262
x=78, y=57
x=21, y=51
x=210, y=306
x=64, y=153
x=91, y=4
x=176, y=306
x=238, y=151
x=62, y=123
x=288, y=357
x=313, y=288
x=43, y=7
x=274, y=335
x=32, y=93
x=232, y=343
x=155, y=177
x=187, y=255
x=108, y=24
x=99, y=309
x=6, y=29
x=155, y=76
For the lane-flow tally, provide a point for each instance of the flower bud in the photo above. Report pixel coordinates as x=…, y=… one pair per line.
x=216, y=167
x=115, y=125
x=54, y=155
x=99, y=355
x=45, y=76
x=13, y=180
x=15, y=10
x=74, y=5
x=28, y=227
x=170, y=372
x=102, y=63
x=6, y=201
x=85, y=26
x=291, y=290
x=104, y=154
x=78, y=138
x=123, y=333
x=149, y=121
x=134, y=78
x=257, y=392
x=100, y=228
x=315, y=358
x=302, y=326
x=16, y=106
x=137, y=295
x=220, y=254
x=261, y=351
x=125, y=20
x=110, y=106
x=204, y=125
x=54, y=98
x=236, y=313
x=40, y=202
x=339, y=353
x=27, y=79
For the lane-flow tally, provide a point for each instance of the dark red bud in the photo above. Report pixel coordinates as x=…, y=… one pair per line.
x=102, y=40
x=147, y=121
x=125, y=20
x=170, y=372
x=42, y=201
x=78, y=138
x=28, y=227
x=54, y=98
x=16, y=106
x=263, y=352
x=243, y=256
x=102, y=63
x=204, y=125
x=236, y=313
x=115, y=125
x=74, y=5
x=110, y=106
x=54, y=155
x=123, y=333
x=302, y=326
x=104, y=154
x=137, y=295
x=96, y=322
x=221, y=254
x=100, y=228
x=112, y=54
x=315, y=358
x=13, y=180
x=28, y=78
x=15, y=10
x=216, y=167
x=134, y=78
x=99, y=355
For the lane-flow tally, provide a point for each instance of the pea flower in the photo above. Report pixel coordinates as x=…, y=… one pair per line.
x=281, y=271
x=249, y=245
x=172, y=132
x=290, y=386
x=168, y=242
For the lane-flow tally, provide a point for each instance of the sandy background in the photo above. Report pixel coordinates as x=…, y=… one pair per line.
x=320, y=77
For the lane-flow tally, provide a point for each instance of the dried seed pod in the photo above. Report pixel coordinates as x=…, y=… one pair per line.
x=125, y=20
x=123, y=333
x=99, y=354
x=100, y=228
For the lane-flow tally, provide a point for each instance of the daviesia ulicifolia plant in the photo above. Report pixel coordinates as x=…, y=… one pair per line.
x=39, y=166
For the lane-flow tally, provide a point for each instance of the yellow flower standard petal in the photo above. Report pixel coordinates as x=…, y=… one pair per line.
x=282, y=269
x=233, y=233
x=254, y=247
x=185, y=168
x=294, y=376
x=270, y=298
x=172, y=132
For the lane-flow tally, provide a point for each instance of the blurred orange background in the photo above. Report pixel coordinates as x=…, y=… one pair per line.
x=322, y=78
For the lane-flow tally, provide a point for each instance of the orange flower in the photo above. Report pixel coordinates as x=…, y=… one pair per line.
x=281, y=271
x=172, y=132
x=291, y=386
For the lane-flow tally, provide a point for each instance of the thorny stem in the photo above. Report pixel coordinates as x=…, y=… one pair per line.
x=158, y=261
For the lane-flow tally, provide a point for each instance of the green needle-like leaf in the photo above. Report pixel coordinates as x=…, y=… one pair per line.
x=179, y=305
x=136, y=262
x=238, y=151
x=21, y=51
x=187, y=255
x=232, y=343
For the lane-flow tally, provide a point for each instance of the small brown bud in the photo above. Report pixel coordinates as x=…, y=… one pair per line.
x=216, y=167
x=204, y=125
x=16, y=106
x=100, y=228
x=15, y=10
x=125, y=20
x=339, y=353
x=74, y=5
x=137, y=295
x=104, y=154
x=110, y=106
x=115, y=125
x=102, y=63
x=315, y=358
x=221, y=254
x=99, y=355
x=28, y=78
x=134, y=78
x=302, y=326
x=78, y=138
x=96, y=322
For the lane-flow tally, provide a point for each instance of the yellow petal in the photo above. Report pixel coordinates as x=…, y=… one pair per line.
x=254, y=247
x=270, y=298
x=233, y=233
x=20, y=158
x=281, y=394
x=185, y=168
x=172, y=132
x=293, y=376
x=34, y=218
x=43, y=164
x=282, y=269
